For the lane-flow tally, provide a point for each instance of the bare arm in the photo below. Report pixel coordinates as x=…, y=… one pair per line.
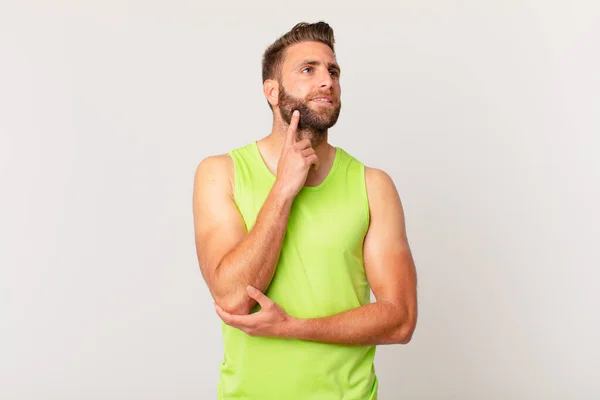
x=231, y=258
x=391, y=274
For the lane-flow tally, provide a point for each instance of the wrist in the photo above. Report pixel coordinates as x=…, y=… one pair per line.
x=281, y=194
x=292, y=329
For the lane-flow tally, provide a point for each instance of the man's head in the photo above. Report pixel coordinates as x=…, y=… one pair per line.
x=300, y=72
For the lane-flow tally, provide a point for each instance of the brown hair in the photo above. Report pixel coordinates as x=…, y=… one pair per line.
x=303, y=32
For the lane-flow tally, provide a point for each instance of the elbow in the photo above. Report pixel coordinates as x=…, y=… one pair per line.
x=403, y=324
x=403, y=335
x=404, y=332
x=231, y=299
x=236, y=304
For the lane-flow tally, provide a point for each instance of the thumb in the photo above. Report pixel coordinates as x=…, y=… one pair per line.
x=258, y=296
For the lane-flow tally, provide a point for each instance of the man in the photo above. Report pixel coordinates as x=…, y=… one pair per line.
x=292, y=233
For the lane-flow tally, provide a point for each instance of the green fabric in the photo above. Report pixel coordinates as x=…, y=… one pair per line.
x=320, y=273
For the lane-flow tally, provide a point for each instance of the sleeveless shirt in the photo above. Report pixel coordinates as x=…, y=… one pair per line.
x=320, y=272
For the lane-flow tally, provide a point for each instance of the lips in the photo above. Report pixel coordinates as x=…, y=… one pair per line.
x=323, y=99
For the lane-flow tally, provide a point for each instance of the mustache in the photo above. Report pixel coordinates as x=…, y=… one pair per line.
x=334, y=98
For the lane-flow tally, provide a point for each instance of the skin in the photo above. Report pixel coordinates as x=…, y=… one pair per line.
x=238, y=266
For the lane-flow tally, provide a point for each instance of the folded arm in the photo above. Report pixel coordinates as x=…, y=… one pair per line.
x=231, y=258
x=391, y=273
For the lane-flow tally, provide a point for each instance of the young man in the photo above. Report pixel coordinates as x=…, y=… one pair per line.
x=292, y=233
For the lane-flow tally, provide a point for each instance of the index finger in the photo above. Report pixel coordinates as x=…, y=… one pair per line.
x=291, y=133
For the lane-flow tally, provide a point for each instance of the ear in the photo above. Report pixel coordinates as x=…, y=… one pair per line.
x=271, y=91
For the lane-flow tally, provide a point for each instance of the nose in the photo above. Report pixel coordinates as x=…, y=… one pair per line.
x=326, y=80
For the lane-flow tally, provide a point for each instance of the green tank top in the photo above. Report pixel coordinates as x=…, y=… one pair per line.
x=320, y=272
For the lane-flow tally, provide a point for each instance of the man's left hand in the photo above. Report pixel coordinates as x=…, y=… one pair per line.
x=270, y=321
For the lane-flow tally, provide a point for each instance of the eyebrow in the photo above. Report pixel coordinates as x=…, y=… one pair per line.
x=330, y=65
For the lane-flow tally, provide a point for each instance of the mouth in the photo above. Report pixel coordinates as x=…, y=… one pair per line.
x=323, y=100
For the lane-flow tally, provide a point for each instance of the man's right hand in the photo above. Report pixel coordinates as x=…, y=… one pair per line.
x=295, y=161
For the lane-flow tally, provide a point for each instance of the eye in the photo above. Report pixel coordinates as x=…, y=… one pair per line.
x=334, y=72
x=306, y=69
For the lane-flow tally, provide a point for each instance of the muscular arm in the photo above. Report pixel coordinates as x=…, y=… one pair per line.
x=391, y=274
x=231, y=258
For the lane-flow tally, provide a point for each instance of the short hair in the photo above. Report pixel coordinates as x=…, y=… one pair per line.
x=273, y=56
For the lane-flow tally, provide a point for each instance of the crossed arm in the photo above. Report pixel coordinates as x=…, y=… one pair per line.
x=391, y=274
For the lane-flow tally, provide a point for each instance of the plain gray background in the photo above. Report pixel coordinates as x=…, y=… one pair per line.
x=485, y=113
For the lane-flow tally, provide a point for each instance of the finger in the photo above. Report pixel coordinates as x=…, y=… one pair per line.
x=307, y=152
x=224, y=315
x=291, y=134
x=236, y=321
x=259, y=296
x=313, y=160
x=303, y=144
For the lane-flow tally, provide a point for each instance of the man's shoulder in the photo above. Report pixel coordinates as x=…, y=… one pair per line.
x=215, y=169
x=376, y=175
x=220, y=168
x=376, y=178
x=214, y=163
x=380, y=185
x=223, y=159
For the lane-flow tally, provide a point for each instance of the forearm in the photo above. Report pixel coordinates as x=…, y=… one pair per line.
x=254, y=259
x=371, y=324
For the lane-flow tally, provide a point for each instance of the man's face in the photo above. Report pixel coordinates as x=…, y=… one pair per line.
x=310, y=83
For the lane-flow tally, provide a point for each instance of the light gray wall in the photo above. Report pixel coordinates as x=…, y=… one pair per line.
x=485, y=113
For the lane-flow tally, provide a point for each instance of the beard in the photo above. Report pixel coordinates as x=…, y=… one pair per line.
x=313, y=124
